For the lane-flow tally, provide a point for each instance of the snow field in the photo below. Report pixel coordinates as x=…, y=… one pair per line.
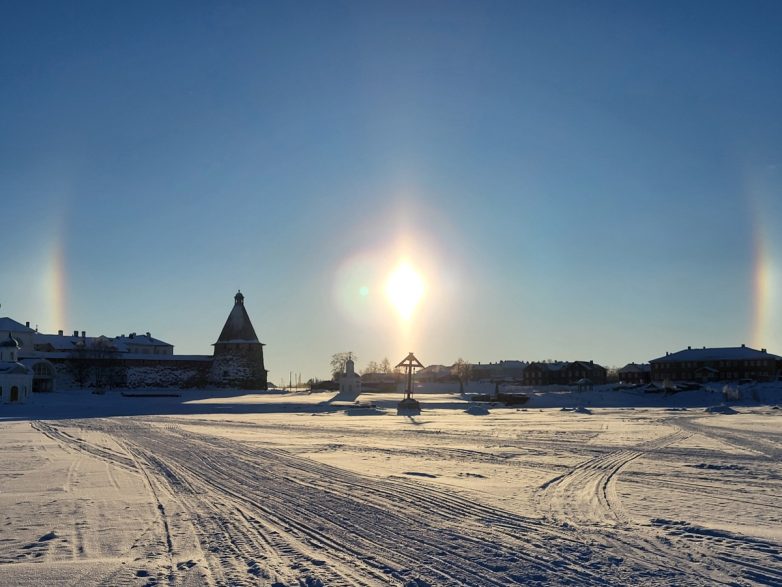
x=284, y=490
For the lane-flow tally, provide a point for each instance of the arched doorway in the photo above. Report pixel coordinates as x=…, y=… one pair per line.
x=43, y=376
x=14, y=394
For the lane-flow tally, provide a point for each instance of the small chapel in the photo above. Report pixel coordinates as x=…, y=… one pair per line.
x=16, y=379
x=350, y=381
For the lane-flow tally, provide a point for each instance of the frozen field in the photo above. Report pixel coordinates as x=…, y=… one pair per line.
x=292, y=490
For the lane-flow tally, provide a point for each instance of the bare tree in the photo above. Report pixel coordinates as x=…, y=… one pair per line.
x=462, y=370
x=338, y=361
x=385, y=365
x=372, y=367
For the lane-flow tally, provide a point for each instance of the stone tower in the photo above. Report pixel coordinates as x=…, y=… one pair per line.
x=238, y=354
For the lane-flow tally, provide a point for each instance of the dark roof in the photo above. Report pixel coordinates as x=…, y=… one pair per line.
x=556, y=366
x=737, y=353
x=635, y=368
x=590, y=365
x=238, y=327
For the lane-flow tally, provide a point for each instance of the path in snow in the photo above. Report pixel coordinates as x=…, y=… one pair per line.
x=230, y=508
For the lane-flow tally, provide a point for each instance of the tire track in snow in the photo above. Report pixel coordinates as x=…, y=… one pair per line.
x=586, y=495
x=388, y=541
x=763, y=443
x=457, y=510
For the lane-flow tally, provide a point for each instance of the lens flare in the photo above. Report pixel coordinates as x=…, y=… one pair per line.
x=404, y=289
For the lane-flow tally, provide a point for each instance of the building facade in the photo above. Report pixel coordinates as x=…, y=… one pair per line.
x=564, y=373
x=634, y=373
x=238, y=354
x=139, y=360
x=717, y=364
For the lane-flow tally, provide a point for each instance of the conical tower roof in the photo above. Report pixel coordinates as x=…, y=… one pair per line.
x=238, y=327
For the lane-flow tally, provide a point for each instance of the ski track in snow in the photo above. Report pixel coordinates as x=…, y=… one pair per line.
x=586, y=496
x=266, y=516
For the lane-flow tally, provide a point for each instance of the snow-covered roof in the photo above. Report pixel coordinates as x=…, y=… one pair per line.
x=140, y=339
x=635, y=368
x=738, y=353
x=12, y=325
x=56, y=341
x=171, y=358
x=586, y=364
x=66, y=343
x=9, y=368
x=10, y=342
x=549, y=366
x=124, y=356
x=31, y=361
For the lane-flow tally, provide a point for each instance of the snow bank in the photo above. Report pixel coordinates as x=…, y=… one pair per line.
x=476, y=410
x=722, y=409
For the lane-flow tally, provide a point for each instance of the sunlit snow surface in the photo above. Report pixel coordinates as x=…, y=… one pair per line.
x=290, y=489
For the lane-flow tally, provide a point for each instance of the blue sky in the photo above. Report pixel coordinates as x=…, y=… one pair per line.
x=574, y=180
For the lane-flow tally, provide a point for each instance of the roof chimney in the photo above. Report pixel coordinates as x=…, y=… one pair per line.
x=149, y=335
x=83, y=334
x=27, y=324
x=743, y=345
x=689, y=348
x=59, y=332
x=762, y=350
x=75, y=333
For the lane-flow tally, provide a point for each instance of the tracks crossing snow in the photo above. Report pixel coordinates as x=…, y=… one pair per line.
x=266, y=516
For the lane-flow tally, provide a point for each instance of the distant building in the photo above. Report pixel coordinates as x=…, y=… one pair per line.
x=635, y=373
x=543, y=374
x=144, y=344
x=43, y=371
x=576, y=371
x=139, y=360
x=350, y=381
x=717, y=364
x=436, y=374
x=499, y=371
x=134, y=344
x=238, y=354
x=564, y=373
x=16, y=379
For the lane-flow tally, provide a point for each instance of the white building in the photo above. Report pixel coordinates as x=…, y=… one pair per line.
x=350, y=381
x=16, y=380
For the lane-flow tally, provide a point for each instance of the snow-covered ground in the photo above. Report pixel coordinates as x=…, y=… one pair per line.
x=290, y=489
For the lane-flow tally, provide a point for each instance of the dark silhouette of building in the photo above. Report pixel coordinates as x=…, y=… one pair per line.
x=717, y=364
x=238, y=354
x=635, y=373
x=559, y=373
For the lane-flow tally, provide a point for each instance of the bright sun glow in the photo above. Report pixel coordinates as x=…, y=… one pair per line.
x=404, y=289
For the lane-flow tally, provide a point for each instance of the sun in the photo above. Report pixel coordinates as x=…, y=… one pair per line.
x=404, y=289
